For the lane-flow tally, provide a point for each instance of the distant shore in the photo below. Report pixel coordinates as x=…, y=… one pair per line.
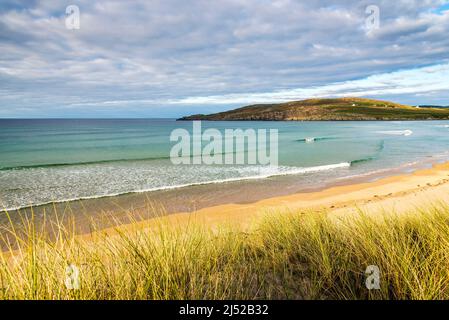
x=337, y=109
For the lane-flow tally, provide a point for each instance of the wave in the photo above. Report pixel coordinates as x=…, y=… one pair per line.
x=60, y=141
x=381, y=146
x=82, y=163
x=397, y=132
x=358, y=161
x=266, y=172
x=51, y=165
x=385, y=170
x=313, y=139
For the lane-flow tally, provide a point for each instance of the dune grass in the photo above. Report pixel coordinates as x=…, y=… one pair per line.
x=284, y=256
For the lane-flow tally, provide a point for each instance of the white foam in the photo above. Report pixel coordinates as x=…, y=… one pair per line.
x=264, y=172
x=397, y=132
x=310, y=140
x=379, y=171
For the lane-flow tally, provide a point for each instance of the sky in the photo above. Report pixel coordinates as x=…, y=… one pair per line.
x=171, y=58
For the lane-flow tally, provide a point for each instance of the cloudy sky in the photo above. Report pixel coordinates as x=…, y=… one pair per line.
x=173, y=57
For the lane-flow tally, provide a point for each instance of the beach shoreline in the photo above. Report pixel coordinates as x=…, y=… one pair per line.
x=240, y=203
x=198, y=196
x=399, y=193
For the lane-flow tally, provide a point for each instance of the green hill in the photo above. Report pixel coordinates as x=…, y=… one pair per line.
x=341, y=109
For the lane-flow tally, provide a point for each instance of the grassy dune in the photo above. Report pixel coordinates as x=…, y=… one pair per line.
x=285, y=256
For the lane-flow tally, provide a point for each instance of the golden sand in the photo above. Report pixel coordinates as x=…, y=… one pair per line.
x=398, y=193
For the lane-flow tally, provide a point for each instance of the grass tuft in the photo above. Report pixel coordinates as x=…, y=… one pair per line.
x=285, y=256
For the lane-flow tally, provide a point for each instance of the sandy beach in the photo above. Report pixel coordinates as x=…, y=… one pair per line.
x=241, y=204
x=398, y=193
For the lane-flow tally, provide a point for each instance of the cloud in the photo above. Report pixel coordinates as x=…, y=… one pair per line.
x=151, y=57
x=406, y=82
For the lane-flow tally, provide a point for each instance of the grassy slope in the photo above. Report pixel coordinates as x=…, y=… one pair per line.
x=285, y=257
x=329, y=109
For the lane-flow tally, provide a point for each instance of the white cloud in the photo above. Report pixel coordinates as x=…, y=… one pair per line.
x=417, y=81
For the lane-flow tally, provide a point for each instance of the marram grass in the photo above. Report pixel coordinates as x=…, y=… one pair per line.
x=285, y=256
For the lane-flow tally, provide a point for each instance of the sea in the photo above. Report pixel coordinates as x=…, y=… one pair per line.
x=56, y=160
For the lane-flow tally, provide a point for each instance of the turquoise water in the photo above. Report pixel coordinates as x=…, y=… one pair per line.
x=56, y=160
